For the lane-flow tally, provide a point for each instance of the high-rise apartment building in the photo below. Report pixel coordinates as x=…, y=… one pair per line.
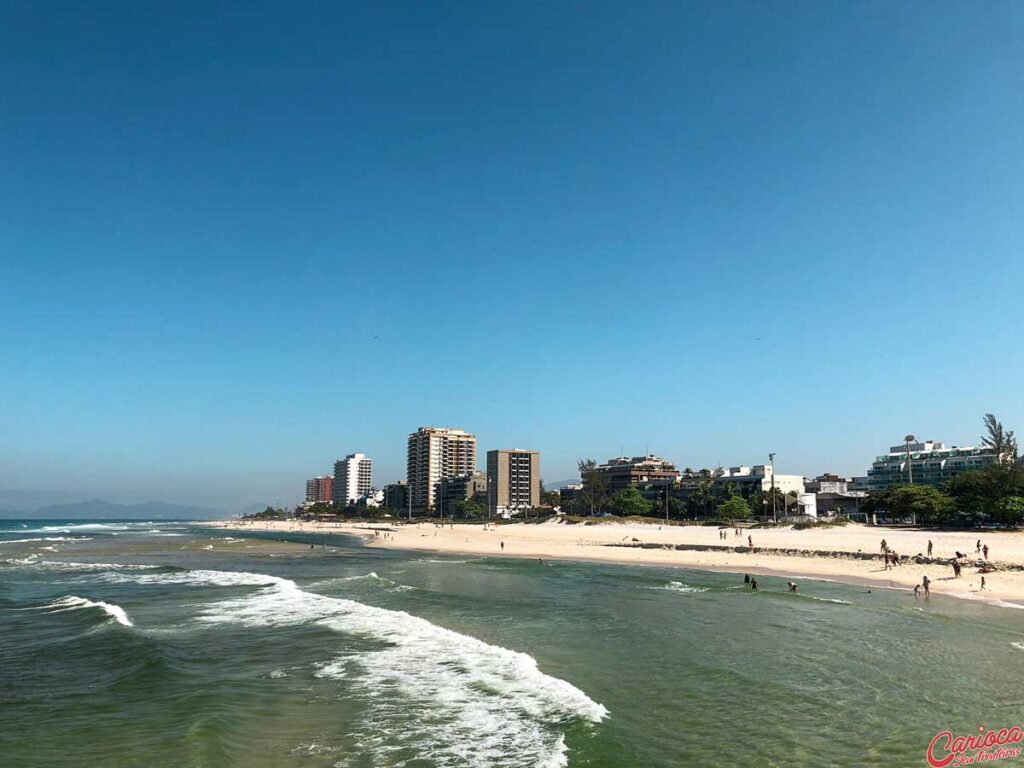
x=319, y=489
x=437, y=453
x=353, y=477
x=513, y=481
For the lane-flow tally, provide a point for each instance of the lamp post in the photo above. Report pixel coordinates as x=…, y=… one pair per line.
x=910, y=469
x=775, y=514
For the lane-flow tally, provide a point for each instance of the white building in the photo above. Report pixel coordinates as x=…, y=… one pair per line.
x=760, y=478
x=353, y=478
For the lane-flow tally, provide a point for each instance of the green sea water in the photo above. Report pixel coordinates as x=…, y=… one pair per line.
x=173, y=645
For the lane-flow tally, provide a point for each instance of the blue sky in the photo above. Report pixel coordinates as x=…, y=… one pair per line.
x=239, y=242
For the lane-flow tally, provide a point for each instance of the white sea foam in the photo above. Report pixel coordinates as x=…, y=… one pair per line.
x=72, y=602
x=827, y=600
x=678, y=586
x=46, y=538
x=84, y=527
x=59, y=565
x=445, y=695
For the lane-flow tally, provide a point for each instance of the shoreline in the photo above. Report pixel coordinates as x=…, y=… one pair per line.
x=837, y=554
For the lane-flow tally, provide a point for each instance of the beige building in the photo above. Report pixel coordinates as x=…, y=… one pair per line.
x=436, y=454
x=513, y=481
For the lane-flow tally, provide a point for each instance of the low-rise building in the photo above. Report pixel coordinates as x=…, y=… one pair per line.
x=396, y=496
x=628, y=472
x=760, y=477
x=451, y=490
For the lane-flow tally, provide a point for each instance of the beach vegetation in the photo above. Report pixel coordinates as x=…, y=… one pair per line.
x=629, y=501
x=270, y=513
x=734, y=508
x=594, y=495
x=470, y=510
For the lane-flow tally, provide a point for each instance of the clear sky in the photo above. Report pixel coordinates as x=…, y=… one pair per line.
x=237, y=243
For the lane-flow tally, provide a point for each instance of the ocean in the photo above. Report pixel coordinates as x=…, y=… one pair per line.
x=157, y=644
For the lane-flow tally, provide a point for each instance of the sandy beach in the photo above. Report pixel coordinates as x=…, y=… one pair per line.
x=819, y=553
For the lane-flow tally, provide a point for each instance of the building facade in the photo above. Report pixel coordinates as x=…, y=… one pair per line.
x=319, y=489
x=513, y=481
x=396, y=496
x=451, y=490
x=435, y=454
x=624, y=472
x=760, y=477
x=353, y=478
x=931, y=463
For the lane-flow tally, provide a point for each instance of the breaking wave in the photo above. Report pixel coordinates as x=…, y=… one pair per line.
x=429, y=691
x=73, y=602
x=678, y=586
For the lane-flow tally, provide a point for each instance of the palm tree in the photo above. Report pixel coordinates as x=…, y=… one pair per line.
x=1000, y=441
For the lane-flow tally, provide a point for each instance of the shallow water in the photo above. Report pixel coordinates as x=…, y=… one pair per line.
x=158, y=644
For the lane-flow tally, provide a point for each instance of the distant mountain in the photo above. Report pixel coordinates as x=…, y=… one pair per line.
x=99, y=509
x=558, y=484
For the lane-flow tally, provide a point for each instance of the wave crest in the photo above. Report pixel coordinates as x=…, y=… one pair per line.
x=73, y=602
x=431, y=690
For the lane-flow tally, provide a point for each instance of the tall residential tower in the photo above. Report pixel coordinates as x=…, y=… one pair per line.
x=353, y=477
x=437, y=453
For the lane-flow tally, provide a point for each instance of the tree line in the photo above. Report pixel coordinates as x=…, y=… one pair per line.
x=993, y=495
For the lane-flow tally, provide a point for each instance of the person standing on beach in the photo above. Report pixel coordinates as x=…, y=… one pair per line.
x=917, y=591
x=753, y=585
x=888, y=564
x=926, y=583
x=746, y=578
x=503, y=546
x=750, y=541
x=982, y=582
x=929, y=547
x=885, y=546
x=985, y=551
x=977, y=547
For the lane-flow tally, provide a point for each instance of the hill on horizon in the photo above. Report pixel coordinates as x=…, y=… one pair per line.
x=100, y=509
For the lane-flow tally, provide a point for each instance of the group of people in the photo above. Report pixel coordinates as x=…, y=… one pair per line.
x=752, y=582
x=890, y=555
x=891, y=559
x=724, y=534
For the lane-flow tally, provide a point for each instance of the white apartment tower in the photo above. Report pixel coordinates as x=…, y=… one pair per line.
x=353, y=477
x=435, y=454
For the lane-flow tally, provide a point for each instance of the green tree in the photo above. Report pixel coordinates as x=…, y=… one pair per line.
x=923, y=503
x=982, y=495
x=630, y=502
x=469, y=509
x=733, y=508
x=1001, y=441
x=701, y=499
x=1010, y=511
x=595, y=487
